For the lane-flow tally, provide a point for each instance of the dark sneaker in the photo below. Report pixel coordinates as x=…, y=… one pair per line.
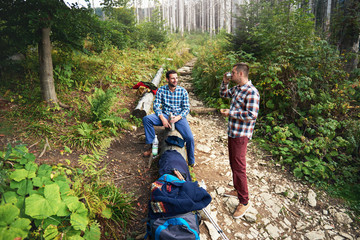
x=192, y=165
x=241, y=210
x=232, y=193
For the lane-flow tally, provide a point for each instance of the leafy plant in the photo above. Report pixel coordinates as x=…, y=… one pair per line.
x=38, y=201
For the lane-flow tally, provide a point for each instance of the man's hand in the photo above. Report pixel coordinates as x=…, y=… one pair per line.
x=174, y=119
x=225, y=112
x=225, y=79
x=164, y=121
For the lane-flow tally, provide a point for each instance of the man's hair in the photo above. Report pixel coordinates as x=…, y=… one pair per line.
x=170, y=72
x=243, y=67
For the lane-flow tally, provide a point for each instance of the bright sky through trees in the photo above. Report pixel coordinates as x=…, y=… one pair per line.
x=84, y=3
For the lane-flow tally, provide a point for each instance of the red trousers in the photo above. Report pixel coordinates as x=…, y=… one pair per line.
x=237, y=152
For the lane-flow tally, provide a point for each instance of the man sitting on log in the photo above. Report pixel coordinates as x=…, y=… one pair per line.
x=170, y=99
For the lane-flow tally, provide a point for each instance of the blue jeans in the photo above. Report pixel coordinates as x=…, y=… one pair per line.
x=182, y=126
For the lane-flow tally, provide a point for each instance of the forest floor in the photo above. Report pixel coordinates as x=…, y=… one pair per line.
x=282, y=206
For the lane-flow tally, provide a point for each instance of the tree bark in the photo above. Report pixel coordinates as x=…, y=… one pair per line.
x=46, y=67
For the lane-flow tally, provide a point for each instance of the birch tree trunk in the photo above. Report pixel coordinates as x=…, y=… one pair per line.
x=328, y=15
x=46, y=68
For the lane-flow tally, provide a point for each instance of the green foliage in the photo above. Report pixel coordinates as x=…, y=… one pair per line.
x=37, y=201
x=103, y=199
x=47, y=202
x=309, y=112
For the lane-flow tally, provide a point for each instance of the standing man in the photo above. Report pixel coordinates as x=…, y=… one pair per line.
x=242, y=115
x=173, y=99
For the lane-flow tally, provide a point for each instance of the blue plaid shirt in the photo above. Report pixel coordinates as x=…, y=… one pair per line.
x=244, y=109
x=167, y=102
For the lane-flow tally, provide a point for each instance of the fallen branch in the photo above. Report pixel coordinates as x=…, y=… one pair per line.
x=33, y=144
x=291, y=211
x=45, y=146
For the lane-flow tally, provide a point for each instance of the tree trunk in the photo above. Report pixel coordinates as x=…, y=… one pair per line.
x=46, y=68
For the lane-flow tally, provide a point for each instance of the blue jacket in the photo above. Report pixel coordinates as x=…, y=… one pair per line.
x=171, y=196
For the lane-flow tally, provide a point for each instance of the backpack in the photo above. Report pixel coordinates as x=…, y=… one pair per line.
x=179, y=227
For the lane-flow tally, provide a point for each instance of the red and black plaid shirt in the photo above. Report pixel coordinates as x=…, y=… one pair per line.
x=244, y=109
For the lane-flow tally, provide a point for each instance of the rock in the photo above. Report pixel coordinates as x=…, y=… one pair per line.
x=279, y=189
x=343, y=218
x=325, y=212
x=203, y=236
x=232, y=203
x=220, y=191
x=328, y=227
x=311, y=198
x=272, y=231
x=290, y=194
x=214, y=235
x=250, y=217
x=345, y=235
x=203, y=148
x=315, y=235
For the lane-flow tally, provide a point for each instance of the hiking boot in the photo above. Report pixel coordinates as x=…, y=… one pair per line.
x=241, y=210
x=147, y=153
x=232, y=193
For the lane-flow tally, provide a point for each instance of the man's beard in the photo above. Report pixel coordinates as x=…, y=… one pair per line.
x=172, y=85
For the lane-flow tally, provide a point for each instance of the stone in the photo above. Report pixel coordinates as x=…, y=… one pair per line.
x=272, y=231
x=315, y=235
x=203, y=236
x=346, y=235
x=328, y=227
x=290, y=194
x=279, y=189
x=220, y=191
x=325, y=212
x=311, y=198
x=250, y=217
x=214, y=235
x=343, y=218
x=232, y=203
x=203, y=148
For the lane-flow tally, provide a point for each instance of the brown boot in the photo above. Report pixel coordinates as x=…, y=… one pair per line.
x=241, y=210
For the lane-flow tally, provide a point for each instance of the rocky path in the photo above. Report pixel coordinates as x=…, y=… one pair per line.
x=282, y=207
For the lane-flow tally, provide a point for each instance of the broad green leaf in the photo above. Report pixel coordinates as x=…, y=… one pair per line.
x=25, y=187
x=64, y=187
x=50, y=232
x=19, y=174
x=8, y=213
x=31, y=167
x=37, y=182
x=92, y=232
x=79, y=219
x=9, y=197
x=10, y=225
x=44, y=170
x=63, y=210
x=72, y=202
x=40, y=207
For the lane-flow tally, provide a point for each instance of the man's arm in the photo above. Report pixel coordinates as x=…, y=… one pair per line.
x=185, y=105
x=224, y=91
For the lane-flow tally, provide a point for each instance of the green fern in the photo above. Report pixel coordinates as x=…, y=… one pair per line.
x=101, y=103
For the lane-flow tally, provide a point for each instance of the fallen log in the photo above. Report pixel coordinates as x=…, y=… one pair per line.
x=203, y=110
x=144, y=105
x=164, y=146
